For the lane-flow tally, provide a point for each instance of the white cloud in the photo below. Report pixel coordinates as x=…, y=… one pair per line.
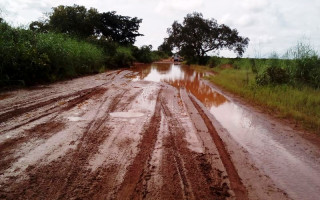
x=256, y=5
x=246, y=20
x=241, y=21
x=227, y=19
x=178, y=5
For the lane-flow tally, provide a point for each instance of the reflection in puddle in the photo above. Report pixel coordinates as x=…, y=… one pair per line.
x=181, y=77
x=292, y=171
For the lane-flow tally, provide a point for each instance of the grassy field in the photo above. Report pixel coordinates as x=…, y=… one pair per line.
x=301, y=104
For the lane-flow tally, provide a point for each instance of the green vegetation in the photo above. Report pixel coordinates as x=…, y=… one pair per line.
x=28, y=58
x=288, y=87
x=71, y=41
x=80, y=22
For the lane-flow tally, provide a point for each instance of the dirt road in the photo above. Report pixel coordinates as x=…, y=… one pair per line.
x=117, y=135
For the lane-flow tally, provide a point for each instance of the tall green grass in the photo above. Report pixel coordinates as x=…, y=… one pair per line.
x=69, y=57
x=28, y=58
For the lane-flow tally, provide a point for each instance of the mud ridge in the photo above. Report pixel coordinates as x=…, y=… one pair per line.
x=132, y=185
x=19, y=111
x=235, y=180
x=69, y=105
x=185, y=183
x=67, y=176
x=43, y=131
x=94, y=135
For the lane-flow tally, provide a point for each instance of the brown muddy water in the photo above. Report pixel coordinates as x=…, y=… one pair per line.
x=286, y=158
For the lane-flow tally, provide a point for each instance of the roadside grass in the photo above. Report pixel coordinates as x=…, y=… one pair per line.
x=30, y=58
x=68, y=57
x=285, y=101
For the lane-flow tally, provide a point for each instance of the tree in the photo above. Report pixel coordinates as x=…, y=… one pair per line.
x=77, y=20
x=165, y=47
x=39, y=26
x=122, y=29
x=143, y=54
x=197, y=36
x=74, y=20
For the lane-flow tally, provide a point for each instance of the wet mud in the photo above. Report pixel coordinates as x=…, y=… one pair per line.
x=147, y=132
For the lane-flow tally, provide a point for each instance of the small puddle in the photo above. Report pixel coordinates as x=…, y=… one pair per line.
x=74, y=119
x=296, y=173
x=126, y=114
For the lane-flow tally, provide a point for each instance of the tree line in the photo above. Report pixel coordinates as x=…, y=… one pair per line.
x=74, y=40
x=83, y=23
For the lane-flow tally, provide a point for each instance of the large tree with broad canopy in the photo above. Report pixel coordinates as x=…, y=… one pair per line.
x=197, y=36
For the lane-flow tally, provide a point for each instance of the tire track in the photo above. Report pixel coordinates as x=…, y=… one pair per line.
x=42, y=131
x=235, y=180
x=69, y=105
x=200, y=180
x=67, y=176
x=39, y=97
x=19, y=111
x=132, y=185
x=93, y=136
x=174, y=131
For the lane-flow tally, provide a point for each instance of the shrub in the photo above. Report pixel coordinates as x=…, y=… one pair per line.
x=143, y=54
x=29, y=58
x=123, y=57
x=214, y=61
x=308, y=71
x=306, y=64
x=158, y=55
x=273, y=75
x=69, y=57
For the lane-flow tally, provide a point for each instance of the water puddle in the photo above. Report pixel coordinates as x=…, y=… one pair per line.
x=74, y=119
x=181, y=77
x=126, y=114
x=292, y=171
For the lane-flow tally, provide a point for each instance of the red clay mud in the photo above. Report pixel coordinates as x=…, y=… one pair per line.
x=143, y=133
x=235, y=180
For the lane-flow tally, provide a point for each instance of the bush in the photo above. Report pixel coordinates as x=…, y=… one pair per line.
x=29, y=58
x=19, y=59
x=308, y=71
x=306, y=64
x=123, y=57
x=158, y=55
x=143, y=54
x=69, y=57
x=214, y=61
x=273, y=75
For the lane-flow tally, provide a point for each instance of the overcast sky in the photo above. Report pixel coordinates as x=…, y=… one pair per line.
x=271, y=25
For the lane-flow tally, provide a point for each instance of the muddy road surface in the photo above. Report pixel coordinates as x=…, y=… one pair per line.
x=151, y=132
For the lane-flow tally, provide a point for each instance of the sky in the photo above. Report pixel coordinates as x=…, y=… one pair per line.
x=271, y=25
